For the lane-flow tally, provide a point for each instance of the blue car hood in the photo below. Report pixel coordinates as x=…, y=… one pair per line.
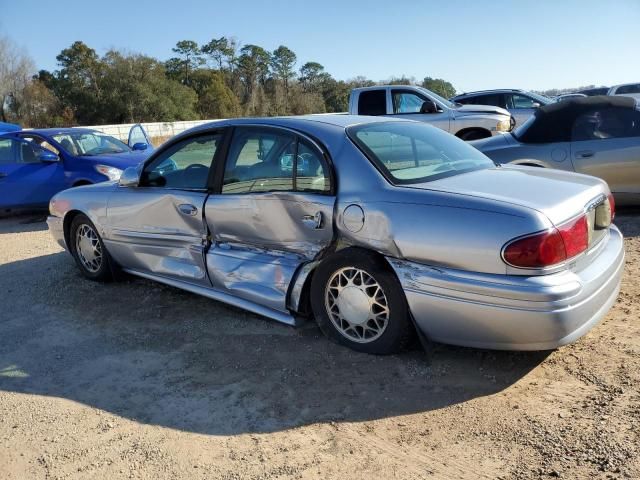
x=119, y=160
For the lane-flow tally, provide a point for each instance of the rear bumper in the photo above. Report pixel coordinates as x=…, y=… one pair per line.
x=510, y=312
x=56, y=228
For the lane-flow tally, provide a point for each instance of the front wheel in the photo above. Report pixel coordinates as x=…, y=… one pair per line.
x=358, y=302
x=88, y=249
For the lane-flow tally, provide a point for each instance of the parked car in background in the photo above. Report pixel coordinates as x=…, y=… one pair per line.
x=568, y=96
x=592, y=92
x=519, y=103
x=8, y=127
x=599, y=136
x=371, y=224
x=36, y=164
x=628, y=90
x=407, y=101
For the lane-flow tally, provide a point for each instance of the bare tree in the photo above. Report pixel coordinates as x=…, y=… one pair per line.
x=16, y=69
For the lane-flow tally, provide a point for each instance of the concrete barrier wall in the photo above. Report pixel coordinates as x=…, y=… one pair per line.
x=158, y=131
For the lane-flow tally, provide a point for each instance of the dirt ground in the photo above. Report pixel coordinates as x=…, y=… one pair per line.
x=138, y=380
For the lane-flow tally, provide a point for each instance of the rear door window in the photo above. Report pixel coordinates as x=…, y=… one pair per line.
x=606, y=123
x=372, y=102
x=6, y=151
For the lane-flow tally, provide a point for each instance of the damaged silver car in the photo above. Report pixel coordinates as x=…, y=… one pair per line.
x=373, y=226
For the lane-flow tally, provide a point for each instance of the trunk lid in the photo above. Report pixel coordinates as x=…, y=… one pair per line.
x=557, y=194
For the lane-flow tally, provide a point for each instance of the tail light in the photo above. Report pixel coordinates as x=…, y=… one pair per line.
x=612, y=206
x=549, y=248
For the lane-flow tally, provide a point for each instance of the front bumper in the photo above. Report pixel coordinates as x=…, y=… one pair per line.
x=510, y=312
x=56, y=228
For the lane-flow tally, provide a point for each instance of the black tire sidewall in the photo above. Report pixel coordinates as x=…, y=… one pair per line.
x=399, y=330
x=104, y=272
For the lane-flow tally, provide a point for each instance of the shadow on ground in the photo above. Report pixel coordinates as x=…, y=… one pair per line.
x=161, y=356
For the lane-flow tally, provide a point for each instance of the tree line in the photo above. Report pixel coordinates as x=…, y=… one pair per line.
x=219, y=79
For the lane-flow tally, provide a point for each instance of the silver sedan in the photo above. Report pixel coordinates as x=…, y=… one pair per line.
x=598, y=136
x=373, y=226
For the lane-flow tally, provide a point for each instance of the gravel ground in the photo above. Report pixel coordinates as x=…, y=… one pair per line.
x=138, y=380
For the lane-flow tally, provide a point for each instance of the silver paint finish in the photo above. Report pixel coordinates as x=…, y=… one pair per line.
x=443, y=238
x=512, y=312
x=154, y=230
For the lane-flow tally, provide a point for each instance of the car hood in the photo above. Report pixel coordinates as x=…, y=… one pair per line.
x=557, y=194
x=479, y=109
x=118, y=160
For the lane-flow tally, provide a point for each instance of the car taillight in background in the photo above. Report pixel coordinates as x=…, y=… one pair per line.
x=549, y=248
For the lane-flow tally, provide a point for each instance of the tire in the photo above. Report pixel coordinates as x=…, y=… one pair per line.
x=88, y=250
x=474, y=135
x=348, y=280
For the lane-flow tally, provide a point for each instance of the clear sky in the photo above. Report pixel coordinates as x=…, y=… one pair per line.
x=473, y=44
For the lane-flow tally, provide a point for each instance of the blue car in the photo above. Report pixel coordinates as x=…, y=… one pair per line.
x=37, y=164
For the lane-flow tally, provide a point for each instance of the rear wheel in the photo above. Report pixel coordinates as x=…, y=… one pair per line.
x=358, y=302
x=88, y=249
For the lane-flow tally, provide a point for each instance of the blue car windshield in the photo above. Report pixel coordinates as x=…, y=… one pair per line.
x=88, y=144
x=412, y=152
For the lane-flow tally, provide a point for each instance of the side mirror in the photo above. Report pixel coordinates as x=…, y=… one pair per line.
x=47, y=156
x=130, y=177
x=428, y=106
x=139, y=146
x=535, y=105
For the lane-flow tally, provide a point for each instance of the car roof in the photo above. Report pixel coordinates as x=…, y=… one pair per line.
x=338, y=120
x=59, y=131
x=494, y=90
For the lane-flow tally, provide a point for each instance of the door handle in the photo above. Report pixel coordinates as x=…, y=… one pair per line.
x=187, y=209
x=313, y=221
x=585, y=154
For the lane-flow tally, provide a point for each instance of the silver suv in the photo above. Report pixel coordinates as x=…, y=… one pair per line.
x=520, y=103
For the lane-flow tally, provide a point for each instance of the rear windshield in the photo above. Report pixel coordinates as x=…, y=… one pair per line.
x=413, y=152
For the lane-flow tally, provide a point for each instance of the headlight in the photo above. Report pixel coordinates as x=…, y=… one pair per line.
x=504, y=125
x=112, y=173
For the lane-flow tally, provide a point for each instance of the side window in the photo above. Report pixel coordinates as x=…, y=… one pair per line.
x=6, y=151
x=27, y=152
x=606, y=123
x=41, y=142
x=520, y=101
x=406, y=102
x=627, y=89
x=185, y=165
x=372, y=102
x=265, y=160
x=312, y=172
x=495, y=100
x=259, y=160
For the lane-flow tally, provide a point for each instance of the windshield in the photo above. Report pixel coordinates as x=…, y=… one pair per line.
x=88, y=144
x=438, y=98
x=412, y=152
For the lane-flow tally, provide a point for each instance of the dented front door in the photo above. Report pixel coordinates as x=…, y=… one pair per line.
x=158, y=226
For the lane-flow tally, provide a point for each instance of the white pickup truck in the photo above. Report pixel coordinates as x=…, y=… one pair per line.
x=469, y=122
